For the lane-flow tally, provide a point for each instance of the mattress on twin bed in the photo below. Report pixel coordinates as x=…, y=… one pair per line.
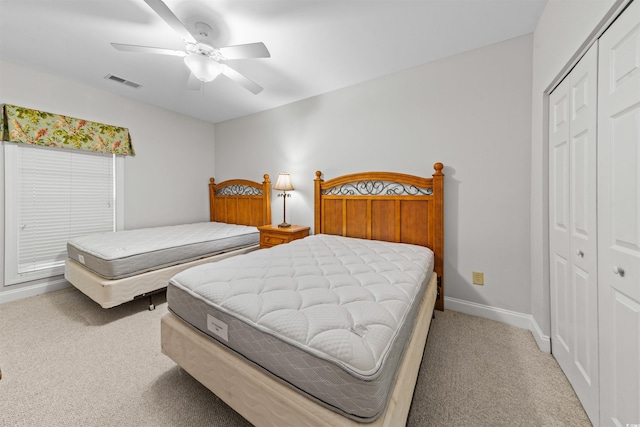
x=329, y=315
x=120, y=254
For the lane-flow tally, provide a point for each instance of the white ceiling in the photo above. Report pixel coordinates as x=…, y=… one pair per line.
x=316, y=46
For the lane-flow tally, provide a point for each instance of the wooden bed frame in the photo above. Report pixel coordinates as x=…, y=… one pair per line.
x=236, y=201
x=383, y=206
x=240, y=201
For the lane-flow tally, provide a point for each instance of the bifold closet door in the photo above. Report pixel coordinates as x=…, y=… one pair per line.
x=573, y=229
x=619, y=219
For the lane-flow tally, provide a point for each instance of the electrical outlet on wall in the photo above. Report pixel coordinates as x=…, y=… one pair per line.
x=477, y=278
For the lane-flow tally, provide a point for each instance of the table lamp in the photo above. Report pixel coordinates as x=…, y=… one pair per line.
x=284, y=184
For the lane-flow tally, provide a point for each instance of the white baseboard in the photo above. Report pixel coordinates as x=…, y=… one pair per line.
x=544, y=341
x=513, y=318
x=54, y=284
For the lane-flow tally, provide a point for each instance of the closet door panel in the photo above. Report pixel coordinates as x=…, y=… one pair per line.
x=584, y=248
x=573, y=234
x=562, y=312
x=560, y=242
x=624, y=194
x=625, y=352
x=583, y=137
x=619, y=219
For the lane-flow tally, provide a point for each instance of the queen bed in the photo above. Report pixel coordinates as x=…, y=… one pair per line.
x=325, y=330
x=114, y=268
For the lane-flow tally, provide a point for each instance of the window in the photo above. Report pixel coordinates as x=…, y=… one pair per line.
x=54, y=195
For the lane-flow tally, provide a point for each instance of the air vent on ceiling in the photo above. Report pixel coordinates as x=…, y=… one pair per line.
x=122, y=81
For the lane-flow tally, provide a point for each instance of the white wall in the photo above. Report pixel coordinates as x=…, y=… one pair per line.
x=471, y=112
x=564, y=27
x=166, y=182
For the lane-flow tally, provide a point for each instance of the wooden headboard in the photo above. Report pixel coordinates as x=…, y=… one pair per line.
x=240, y=201
x=385, y=206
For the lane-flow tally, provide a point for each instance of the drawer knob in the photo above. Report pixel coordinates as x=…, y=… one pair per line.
x=580, y=253
x=618, y=270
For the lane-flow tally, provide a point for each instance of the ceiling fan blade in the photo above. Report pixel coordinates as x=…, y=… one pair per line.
x=193, y=83
x=250, y=50
x=148, y=49
x=242, y=80
x=165, y=13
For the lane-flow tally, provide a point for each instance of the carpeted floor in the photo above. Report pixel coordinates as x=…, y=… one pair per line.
x=67, y=362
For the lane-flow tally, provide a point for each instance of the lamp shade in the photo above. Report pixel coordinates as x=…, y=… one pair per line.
x=204, y=68
x=283, y=183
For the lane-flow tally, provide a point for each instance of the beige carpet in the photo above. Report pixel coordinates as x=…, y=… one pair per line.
x=67, y=362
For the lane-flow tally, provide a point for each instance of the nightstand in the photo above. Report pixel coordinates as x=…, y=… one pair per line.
x=272, y=235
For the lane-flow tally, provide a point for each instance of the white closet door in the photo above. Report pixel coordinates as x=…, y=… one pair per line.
x=619, y=219
x=559, y=240
x=573, y=224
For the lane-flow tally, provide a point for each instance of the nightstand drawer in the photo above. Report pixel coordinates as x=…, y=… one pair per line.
x=271, y=240
x=272, y=235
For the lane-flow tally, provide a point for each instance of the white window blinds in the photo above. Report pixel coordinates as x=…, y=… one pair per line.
x=53, y=195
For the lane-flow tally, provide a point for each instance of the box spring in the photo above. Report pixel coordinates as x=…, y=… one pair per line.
x=112, y=292
x=329, y=316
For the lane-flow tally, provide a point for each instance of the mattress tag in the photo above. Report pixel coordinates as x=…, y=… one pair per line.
x=218, y=327
x=81, y=258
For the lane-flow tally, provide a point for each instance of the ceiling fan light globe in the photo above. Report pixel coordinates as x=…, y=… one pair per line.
x=204, y=68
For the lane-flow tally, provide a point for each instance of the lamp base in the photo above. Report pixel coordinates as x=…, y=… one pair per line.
x=284, y=225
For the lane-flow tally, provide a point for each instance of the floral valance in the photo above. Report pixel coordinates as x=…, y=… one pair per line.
x=53, y=130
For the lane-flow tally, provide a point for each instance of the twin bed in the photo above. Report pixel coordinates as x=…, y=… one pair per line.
x=114, y=268
x=325, y=330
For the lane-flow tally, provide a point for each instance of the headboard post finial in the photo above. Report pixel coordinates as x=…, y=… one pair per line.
x=212, y=181
x=438, y=168
x=266, y=177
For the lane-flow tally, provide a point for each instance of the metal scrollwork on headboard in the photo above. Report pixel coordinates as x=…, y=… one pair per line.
x=238, y=190
x=377, y=188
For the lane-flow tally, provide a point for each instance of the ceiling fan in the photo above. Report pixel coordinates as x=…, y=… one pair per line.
x=205, y=61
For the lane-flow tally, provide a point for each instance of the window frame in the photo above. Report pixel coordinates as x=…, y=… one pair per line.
x=11, y=275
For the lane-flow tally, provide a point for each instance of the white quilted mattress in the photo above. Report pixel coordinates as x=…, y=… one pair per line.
x=126, y=253
x=329, y=315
